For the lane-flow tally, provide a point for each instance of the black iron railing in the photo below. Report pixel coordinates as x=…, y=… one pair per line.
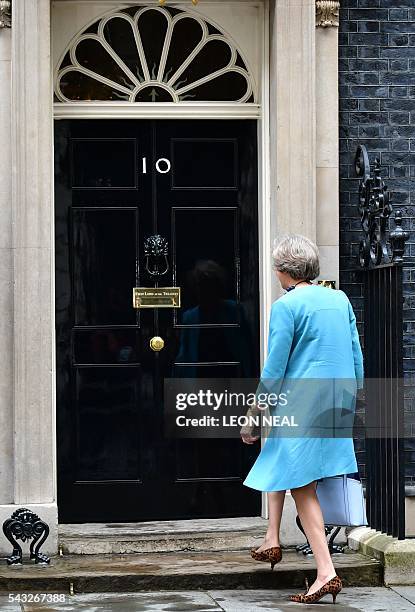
x=382, y=277
x=385, y=467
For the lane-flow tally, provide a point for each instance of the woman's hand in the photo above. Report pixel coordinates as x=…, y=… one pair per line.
x=247, y=430
x=248, y=438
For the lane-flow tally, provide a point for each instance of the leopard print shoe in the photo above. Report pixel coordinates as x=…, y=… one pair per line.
x=332, y=587
x=273, y=555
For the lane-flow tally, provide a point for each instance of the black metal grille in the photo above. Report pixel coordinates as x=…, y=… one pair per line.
x=382, y=271
x=383, y=333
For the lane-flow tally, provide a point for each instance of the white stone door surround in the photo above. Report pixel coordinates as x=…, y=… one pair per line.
x=302, y=165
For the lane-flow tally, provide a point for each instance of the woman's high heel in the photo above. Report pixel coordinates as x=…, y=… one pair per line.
x=332, y=587
x=273, y=555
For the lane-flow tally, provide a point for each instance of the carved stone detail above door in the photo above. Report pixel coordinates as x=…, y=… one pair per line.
x=327, y=13
x=5, y=14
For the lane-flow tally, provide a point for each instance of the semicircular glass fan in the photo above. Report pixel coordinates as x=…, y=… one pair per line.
x=153, y=54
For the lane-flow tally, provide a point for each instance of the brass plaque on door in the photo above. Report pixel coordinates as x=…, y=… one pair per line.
x=156, y=297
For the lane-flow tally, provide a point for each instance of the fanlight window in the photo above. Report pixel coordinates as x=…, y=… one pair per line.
x=153, y=54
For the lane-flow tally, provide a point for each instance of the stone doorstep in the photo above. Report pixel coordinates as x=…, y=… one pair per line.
x=396, y=556
x=179, y=571
x=174, y=536
x=162, y=536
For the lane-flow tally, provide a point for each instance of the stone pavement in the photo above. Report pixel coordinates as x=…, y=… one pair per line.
x=366, y=599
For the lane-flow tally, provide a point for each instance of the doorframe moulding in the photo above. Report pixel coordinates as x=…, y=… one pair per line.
x=155, y=110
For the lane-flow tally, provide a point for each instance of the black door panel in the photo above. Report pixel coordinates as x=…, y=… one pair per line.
x=118, y=182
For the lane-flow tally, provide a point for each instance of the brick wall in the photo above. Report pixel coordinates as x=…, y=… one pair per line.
x=377, y=108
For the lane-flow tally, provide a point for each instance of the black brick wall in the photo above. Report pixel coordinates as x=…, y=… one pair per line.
x=377, y=108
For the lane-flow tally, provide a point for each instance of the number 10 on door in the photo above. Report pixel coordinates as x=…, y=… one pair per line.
x=162, y=165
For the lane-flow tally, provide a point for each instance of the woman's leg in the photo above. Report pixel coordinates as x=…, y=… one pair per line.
x=309, y=511
x=275, y=506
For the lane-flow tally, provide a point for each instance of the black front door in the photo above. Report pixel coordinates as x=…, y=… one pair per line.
x=117, y=183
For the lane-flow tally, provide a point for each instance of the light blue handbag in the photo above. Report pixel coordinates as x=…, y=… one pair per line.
x=341, y=500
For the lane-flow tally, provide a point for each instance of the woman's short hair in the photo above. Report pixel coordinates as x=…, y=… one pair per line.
x=297, y=256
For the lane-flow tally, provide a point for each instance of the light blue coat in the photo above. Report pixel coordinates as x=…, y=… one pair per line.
x=312, y=335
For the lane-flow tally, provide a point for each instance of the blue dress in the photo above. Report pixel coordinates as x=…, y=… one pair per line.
x=312, y=335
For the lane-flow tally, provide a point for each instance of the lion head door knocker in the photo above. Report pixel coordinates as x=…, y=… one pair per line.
x=156, y=251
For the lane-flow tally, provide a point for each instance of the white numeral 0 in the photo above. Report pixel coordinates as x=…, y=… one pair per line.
x=167, y=168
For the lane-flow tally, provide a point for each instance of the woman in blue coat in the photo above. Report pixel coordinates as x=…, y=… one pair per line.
x=312, y=335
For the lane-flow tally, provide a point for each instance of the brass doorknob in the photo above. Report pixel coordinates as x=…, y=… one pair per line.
x=156, y=343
